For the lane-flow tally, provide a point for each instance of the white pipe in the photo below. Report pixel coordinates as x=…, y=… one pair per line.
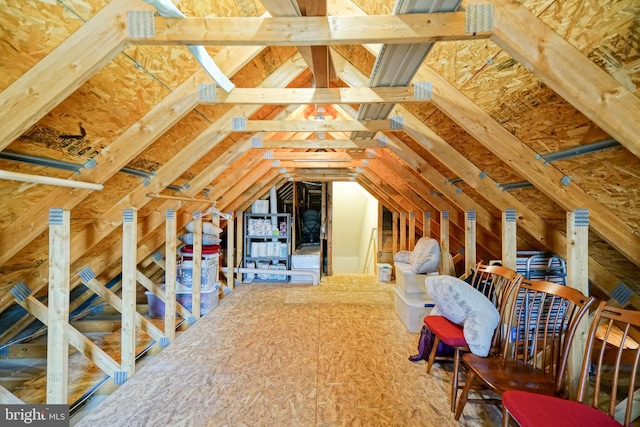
x=314, y=276
x=37, y=179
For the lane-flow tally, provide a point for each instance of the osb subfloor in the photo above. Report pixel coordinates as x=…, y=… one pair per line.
x=294, y=355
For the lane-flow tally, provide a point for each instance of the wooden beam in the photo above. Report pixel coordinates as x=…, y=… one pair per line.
x=315, y=156
x=412, y=230
x=312, y=126
x=231, y=239
x=196, y=275
x=446, y=266
x=129, y=285
x=403, y=231
x=311, y=30
x=426, y=224
x=317, y=143
x=295, y=96
x=170, y=251
x=58, y=312
x=509, y=238
x=470, y=241
x=577, y=278
x=293, y=166
x=72, y=63
x=569, y=72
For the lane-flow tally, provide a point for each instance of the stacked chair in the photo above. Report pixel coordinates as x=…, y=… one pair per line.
x=541, y=324
x=609, y=370
x=495, y=282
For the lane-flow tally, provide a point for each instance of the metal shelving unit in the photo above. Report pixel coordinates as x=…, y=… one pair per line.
x=267, y=244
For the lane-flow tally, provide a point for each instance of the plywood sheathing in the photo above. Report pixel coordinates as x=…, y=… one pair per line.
x=292, y=354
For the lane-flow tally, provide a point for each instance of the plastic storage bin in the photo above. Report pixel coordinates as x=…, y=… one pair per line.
x=411, y=309
x=384, y=272
x=208, y=274
x=208, y=301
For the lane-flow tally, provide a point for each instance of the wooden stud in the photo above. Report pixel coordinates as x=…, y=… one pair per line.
x=380, y=230
x=170, y=251
x=470, y=241
x=58, y=312
x=426, y=224
x=444, y=242
x=129, y=263
x=577, y=278
x=329, y=229
x=395, y=236
x=196, y=274
x=403, y=231
x=509, y=238
x=239, y=244
x=231, y=238
x=412, y=230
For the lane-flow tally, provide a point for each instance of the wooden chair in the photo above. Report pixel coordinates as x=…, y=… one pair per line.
x=615, y=363
x=494, y=282
x=542, y=321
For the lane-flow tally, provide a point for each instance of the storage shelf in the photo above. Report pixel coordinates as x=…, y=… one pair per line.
x=258, y=243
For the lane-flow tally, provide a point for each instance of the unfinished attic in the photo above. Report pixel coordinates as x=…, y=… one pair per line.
x=239, y=139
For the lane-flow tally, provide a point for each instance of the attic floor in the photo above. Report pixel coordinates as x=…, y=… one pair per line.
x=273, y=354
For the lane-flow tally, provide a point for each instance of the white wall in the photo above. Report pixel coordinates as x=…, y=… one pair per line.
x=355, y=213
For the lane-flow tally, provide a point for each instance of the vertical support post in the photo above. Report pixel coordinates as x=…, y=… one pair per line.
x=509, y=238
x=170, y=275
x=294, y=216
x=196, y=287
x=470, y=241
x=412, y=230
x=329, y=229
x=578, y=278
x=394, y=236
x=444, y=243
x=239, y=245
x=380, y=232
x=426, y=224
x=129, y=270
x=58, y=312
x=231, y=236
x=403, y=231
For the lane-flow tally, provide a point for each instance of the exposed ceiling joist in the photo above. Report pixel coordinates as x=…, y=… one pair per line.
x=315, y=126
x=317, y=143
x=285, y=96
x=309, y=30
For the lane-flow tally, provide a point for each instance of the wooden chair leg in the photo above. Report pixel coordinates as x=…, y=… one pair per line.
x=462, y=401
x=454, y=381
x=432, y=355
x=506, y=417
